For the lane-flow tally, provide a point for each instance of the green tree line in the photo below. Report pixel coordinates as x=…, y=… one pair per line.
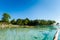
x=6, y=17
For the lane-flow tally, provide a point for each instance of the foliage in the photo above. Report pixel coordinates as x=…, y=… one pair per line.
x=13, y=21
x=6, y=18
x=33, y=22
x=26, y=21
x=19, y=22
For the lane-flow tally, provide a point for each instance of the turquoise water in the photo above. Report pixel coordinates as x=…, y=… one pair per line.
x=27, y=33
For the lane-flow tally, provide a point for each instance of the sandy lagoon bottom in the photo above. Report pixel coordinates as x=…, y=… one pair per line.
x=27, y=34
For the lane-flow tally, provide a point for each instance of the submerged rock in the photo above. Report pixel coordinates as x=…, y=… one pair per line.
x=35, y=37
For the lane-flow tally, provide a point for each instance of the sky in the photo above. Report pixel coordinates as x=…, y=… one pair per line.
x=32, y=9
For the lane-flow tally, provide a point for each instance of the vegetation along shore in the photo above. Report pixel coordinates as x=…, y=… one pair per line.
x=6, y=22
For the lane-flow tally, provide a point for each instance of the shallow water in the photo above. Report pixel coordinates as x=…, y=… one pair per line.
x=27, y=34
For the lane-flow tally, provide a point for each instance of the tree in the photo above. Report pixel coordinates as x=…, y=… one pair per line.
x=50, y=22
x=43, y=22
x=6, y=18
x=13, y=21
x=35, y=22
x=19, y=22
x=26, y=21
x=57, y=23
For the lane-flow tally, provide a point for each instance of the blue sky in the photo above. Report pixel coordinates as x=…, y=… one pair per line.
x=32, y=9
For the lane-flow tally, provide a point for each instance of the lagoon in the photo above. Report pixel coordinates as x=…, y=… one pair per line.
x=40, y=33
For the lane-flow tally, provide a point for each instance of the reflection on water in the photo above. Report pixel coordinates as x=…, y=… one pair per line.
x=27, y=34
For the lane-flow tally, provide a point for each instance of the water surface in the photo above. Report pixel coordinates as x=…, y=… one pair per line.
x=42, y=33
